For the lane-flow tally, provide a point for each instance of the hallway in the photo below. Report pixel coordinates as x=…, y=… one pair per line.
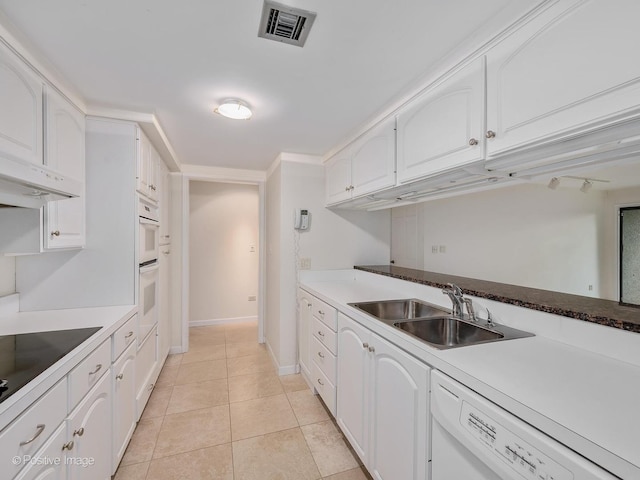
x=221, y=412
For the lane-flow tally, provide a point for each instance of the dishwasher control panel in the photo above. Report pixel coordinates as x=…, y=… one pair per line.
x=520, y=456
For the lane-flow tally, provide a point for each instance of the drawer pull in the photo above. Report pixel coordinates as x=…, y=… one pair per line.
x=321, y=312
x=320, y=382
x=98, y=367
x=68, y=445
x=128, y=335
x=320, y=354
x=120, y=376
x=371, y=349
x=320, y=333
x=79, y=432
x=40, y=428
x=365, y=345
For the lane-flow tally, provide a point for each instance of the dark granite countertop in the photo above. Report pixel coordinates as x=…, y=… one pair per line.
x=603, y=312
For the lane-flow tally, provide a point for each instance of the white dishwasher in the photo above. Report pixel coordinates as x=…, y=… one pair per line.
x=474, y=439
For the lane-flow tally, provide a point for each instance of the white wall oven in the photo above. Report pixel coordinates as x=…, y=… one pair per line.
x=148, y=281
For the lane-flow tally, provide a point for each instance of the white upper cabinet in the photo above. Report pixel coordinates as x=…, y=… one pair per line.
x=572, y=68
x=164, y=203
x=21, y=113
x=147, y=168
x=64, y=220
x=444, y=127
x=365, y=166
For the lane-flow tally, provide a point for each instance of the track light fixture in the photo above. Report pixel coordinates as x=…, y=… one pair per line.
x=553, y=183
x=586, y=186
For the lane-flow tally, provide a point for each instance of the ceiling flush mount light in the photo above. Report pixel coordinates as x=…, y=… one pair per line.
x=235, y=109
x=553, y=183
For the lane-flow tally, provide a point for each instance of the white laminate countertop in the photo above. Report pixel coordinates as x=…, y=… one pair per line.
x=109, y=318
x=587, y=401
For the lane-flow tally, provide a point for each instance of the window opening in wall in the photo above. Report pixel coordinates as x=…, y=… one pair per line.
x=630, y=255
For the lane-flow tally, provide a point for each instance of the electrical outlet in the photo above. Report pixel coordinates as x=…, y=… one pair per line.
x=305, y=264
x=252, y=298
x=434, y=249
x=252, y=248
x=443, y=249
x=590, y=288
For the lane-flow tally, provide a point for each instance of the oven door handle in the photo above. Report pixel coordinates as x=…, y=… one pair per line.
x=149, y=268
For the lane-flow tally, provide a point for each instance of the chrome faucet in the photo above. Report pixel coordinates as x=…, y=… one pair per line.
x=470, y=310
x=455, y=294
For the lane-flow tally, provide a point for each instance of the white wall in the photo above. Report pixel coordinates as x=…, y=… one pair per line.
x=223, y=226
x=335, y=239
x=561, y=240
x=7, y=275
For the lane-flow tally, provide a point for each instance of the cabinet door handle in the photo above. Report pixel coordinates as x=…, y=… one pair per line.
x=98, y=367
x=79, y=432
x=491, y=134
x=320, y=333
x=166, y=252
x=40, y=427
x=320, y=354
x=320, y=382
x=55, y=233
x=128, y=335
x=371, y=349
x=365, y=345
x=120, y=376
x=320, y=312
x=473, y=142
x=68, y=445
x=150, y=387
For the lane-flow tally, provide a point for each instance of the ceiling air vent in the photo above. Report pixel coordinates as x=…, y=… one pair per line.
x=285, y=24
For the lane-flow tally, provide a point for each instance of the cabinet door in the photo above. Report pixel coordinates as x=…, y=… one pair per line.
x=89, y=428
x=64, y=220
x=352, y=401
x=21, y=113
x=373, y=163
x=571, y=67
x=164, y=204
x=124, y=403
x=338, y=178
x=164, y=314
x=154, y=173
x=398, y=416
x=304, y=332
x=142, y=164
x=444, y=127
x=55, y=468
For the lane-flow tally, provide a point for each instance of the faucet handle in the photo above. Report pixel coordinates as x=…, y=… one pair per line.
x=470, y=310
x=455, y=289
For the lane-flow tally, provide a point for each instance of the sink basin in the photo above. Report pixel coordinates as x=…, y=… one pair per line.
x=449, y=332
x=400, y=309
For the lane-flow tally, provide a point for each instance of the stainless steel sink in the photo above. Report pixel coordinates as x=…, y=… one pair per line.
x=400, y=309
x=435, y=325
x=450, y=332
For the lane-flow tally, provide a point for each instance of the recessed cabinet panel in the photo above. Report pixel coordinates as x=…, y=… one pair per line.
x=304, y=333
x=64, y=220
x=338, y=178
x=21, y=113
x=444, y=128
x=570, y=67
x=373, y=163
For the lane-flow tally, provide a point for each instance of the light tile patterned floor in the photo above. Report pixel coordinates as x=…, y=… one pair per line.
x=221, y=412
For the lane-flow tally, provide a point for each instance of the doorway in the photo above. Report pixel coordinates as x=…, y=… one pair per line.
x=630, y=255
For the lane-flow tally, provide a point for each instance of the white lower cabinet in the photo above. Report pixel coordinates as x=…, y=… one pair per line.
x=146, y=362
x=304, y=333
x=382, y=403
x=89, y=435
x=124, y=404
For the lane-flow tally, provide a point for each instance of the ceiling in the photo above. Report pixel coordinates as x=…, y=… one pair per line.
x=178, y=60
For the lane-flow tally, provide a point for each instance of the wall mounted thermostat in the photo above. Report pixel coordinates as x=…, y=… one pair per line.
x=301, y=221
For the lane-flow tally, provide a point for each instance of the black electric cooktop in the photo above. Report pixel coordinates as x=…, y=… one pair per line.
x=24, y=356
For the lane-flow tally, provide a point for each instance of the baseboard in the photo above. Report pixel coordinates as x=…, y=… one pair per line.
x=221, y=321
x=281, y=370
x=175, y=350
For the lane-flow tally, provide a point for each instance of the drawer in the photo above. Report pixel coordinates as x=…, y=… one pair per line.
x=52, y=451
x=34, y=426
x=325, y=388
x=123, y=337
x=325, y=335
x=325, y=313
x=88, y=372
x=325, y=360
